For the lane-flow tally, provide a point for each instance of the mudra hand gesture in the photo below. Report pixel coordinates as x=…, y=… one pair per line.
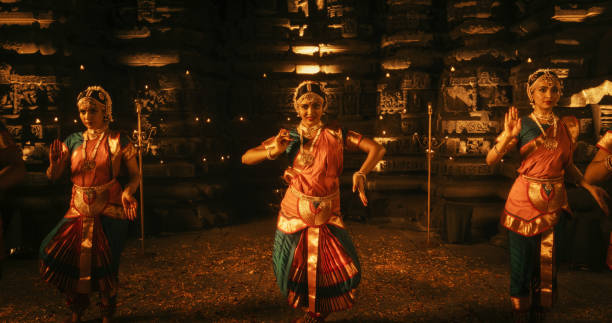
x=129, y=205
x=57, y=154
x=512, y=123
x=281, y=142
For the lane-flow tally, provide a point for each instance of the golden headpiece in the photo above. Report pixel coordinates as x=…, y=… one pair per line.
x=546, y=74
x=98, y=95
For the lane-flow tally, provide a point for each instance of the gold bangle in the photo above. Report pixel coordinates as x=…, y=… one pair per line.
x=269, y=154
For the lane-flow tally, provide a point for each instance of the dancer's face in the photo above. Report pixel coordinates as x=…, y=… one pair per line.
x=310, y=108
x=91, y=114
x=546, y=93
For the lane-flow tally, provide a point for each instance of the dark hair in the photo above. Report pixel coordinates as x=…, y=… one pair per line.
x=307, y=87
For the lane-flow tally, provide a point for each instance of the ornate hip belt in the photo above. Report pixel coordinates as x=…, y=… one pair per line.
x=91, y=200
x=544, y=180
x=547, y=195
x=315, y=210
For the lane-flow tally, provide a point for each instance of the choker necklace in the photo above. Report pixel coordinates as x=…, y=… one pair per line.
x=547, y=119
x=549, y=143
x=306, y=157
x=309, y=132
x=90, y=164
x=94, y=133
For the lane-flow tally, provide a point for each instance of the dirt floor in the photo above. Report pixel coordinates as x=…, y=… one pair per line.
x=225, y=275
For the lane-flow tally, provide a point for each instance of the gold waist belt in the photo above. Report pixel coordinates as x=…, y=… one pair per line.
x=303, y=196
x=543, y=180
x=96, y=189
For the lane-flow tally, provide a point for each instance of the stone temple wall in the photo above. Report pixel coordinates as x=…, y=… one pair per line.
x=215, y=78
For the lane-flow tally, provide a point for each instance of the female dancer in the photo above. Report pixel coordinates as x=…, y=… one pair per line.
x=599, y=170
x=537, y=200
x=315, y=261
x=81, y=254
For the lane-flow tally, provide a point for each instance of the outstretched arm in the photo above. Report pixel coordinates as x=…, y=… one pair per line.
x=598, y=193
x=598, y=171
x=375, y=153
x=260, y=153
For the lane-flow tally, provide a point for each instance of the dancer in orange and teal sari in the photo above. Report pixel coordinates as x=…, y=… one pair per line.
x=81, y=254
x=315, y=262
x=537, y=202
x=600, y=170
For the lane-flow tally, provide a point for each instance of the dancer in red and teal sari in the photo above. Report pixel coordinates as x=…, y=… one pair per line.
x=81, y=254
x=600, y=170
x=315, y=262
x=537, y=202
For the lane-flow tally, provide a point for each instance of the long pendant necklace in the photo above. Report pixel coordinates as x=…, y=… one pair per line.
x=90, y=164
x=306, y=157
x=549, y=143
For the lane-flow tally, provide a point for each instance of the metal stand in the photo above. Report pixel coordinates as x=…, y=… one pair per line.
x=142, y=233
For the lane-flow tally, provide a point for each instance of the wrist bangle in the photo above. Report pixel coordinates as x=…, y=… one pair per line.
x=360, y=174
x=269, y=154
x=608, y=163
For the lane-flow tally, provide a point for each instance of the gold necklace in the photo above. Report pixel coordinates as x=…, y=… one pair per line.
x=90, y=164
x=306, y=157
x=547, y=119
x=549, y=143
x=310, y=132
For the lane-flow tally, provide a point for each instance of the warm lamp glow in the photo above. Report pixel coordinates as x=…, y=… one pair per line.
x=452, y=69
x=380, y=117
x=305, y=50
x=56, y=119
x=264, y=75
x=146, y=86
x=208, y=120
x=241, y=118
x=75, y=120
x=197, y=119
x=187, y=72
x=82, y=67
x=387, y=75
x=307, y=69
x=529, y=60
x=348, y=78
x=37, y=120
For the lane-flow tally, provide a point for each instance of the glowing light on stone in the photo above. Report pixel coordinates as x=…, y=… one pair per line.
x=37, y=120
x=56, y=119
x=452, y=69
x=208, y=120
x=82, y=67
x=197, y=119
x=380, y=117
x=384, y=133
x=241, y=118
x=187, y=72
x=591, y=95
x=307, y=69
x=348, y=78
x=529, y=60
x=288, y=119
x=146, y=87
x=75, y=120
x=264, y=75
x=305, y=50
x=387, y=75
x=203, y=159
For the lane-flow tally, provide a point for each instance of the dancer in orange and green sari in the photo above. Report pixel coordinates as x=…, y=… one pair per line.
x=81, y=254
x=600, y=170
x=537, y=202
x=315, y=262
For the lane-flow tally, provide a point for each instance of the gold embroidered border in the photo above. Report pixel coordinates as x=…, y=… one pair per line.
x=605, y=142
x=352, y=140
x=547, y=270
x=313, y=235
x=529, y=228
